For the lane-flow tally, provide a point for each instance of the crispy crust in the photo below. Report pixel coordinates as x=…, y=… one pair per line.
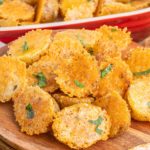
x=138, y=99
x=43, y=107
x=22, y=11
x=118, y=111
x=72, y=127
x=12, y=77
x=45, y=66
x=42, y=37
x=118, y=79
x=65, y=101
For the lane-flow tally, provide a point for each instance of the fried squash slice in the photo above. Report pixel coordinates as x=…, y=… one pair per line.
x=81, y=125
x=139, y=62
x=30, y=47
x=41, y=73
x=12, y=78
x=16, y=10
x=118, y=111
x=34, y=110
x=65, y=101
x=115, y=75
x=112, y=42
x=138, y=97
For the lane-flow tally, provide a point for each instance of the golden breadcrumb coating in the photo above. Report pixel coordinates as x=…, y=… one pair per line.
x=31, y=46
x=140, y=4
x=112, y=41
x=16, y=10
x=46, y=68
x=138, y=97
x=75, y=126
x=115, y=76
x=12, y=77
x=65, y=101
x=138, y=61
x=34, y=110
x=8, y=22
x=118, y=111
x=31, y=2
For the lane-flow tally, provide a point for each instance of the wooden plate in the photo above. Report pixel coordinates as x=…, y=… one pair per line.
x=138, y=133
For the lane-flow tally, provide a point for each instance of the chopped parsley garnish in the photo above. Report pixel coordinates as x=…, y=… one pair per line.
x=105, y=71
x=81, y=40
x=25, y=46
x=91, y=51
x=146, y=72
x=41, y=79
x=113, y=29
x=148, y=104
x=30, y=112
x=1, y=2
x=78, y=84
x=97, y=123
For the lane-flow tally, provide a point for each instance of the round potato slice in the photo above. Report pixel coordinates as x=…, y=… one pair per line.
x=41, y=73
x=34, y=110
x=138, y=97
x=81, y=125
x=65, y=101
x=112, y=42
x=31, y=46
x=139, y=62
x=22, y=11
x=118, y=111
x=142, y=147
x=115, y=75
x=12, y=77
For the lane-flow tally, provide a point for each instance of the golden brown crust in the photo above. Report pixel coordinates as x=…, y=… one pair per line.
x=72, y=125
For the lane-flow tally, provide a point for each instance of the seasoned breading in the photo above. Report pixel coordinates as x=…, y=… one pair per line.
x=34, y=110
x=138, y=97
x=139, y=62
x=112, y=42
x=65, y=101
x=65, y=5
x=142, y=147
x=140, y=4
x=31, y=46
x=44, y=67
x=8, y=22
x=22, y=11
x=31, y=2
x=12, y=77
x=118, y=111
x=81, y=125
x=115, y=76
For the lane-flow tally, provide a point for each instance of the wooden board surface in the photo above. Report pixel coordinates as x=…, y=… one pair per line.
x=139, y=133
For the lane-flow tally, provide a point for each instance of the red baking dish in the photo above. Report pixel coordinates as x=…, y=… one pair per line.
x=138, y=22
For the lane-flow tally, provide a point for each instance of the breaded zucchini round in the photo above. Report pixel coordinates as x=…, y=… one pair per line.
x=65, y=101
x=138, y=97
x=81, y=125
x=41, y=73
x=142, y=147
x=31, y=46
x=112, y=41
x=115, y=75
x=139, y=62
x=34, y=110
x=12, y=77
x=118, y=111
x=22, y=11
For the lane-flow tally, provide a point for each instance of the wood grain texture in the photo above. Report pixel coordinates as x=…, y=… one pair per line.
x=139, y=133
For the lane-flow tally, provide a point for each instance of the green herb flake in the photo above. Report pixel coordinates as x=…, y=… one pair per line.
x=97, y=123
x=81, y=41
x=148, y=104
x=30, y=112
x=91, y=51
x=105, y=71
x=146, y=72
x=113, y=29
x=78, y=84
x=1, y=2
x=41, y=79
x=25, y=46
